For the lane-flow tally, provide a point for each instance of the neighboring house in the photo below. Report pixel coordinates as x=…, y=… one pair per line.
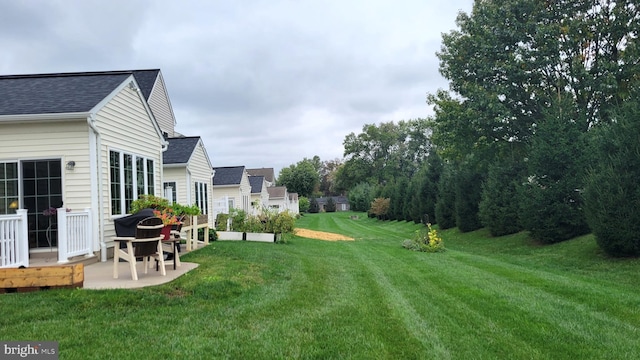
x=187, y=177
x=259, y=194
x=278, y=198
x=187, y=167
x=342, y=202
x=267, y=173
x=80, y=141
x=231, y=189
x=294, y=204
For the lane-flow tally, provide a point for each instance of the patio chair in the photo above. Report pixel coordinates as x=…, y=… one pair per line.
x=146, y=244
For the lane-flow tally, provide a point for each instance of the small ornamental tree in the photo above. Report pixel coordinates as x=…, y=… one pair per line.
x=380, y=208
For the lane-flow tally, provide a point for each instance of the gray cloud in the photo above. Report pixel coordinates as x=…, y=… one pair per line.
x=265, y=83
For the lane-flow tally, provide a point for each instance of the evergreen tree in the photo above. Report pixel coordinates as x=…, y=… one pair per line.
x=612, y=194
x=445, y=206
x=551, y=203
x=468, y=190
x=314, y=207
x=499, y=207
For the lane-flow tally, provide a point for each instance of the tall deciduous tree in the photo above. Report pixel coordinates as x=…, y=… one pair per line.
x=301, y=178
x=383, y=151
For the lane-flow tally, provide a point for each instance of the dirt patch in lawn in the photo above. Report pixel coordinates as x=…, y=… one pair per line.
x=321, y=235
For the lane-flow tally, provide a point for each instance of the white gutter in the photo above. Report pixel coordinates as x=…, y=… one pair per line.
x=103, y=245
x=43, y=117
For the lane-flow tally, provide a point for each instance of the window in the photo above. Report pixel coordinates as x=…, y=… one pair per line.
x=8, y=188
x=130, y=176
x=170, y=191
x=232, y=203
x=202, y=198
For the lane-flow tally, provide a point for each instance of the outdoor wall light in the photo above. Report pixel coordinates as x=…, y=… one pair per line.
x=71, y=165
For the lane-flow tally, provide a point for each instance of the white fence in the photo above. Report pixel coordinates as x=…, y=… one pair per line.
x=74, y=234
x=14, y=246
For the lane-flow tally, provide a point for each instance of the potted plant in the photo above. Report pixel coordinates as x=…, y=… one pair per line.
x=169, y=219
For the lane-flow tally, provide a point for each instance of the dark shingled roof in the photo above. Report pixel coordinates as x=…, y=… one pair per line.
x=180, y=150
x=146, y=79
x=56, y=93
x=65, y=92
x=256, y=184
x=231, y=175
x=277, y=192
x=268, y=173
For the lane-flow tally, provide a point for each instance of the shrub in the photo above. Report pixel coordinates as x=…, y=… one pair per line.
x=380, y=208
x=426, y=240
x=221, y=222
x=303, y=204
x=361, y=196
x=149, y=202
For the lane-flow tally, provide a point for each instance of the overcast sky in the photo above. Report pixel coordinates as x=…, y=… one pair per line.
x=265, y=83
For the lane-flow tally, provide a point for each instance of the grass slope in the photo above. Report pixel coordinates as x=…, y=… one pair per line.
x=490, y=298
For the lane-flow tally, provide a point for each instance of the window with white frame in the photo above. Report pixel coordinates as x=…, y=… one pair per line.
x=8, y=188
x=130, y=177
x=170, y=191
x=202, y=197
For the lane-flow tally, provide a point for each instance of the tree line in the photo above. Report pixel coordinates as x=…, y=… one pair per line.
x=538, y=131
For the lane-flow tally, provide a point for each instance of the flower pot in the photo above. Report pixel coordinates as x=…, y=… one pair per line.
x=166, y=232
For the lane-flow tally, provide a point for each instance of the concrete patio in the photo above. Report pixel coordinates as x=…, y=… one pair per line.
x=99, y=275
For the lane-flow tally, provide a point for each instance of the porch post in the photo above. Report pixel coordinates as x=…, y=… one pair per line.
x=23, y=238
x=63, y=249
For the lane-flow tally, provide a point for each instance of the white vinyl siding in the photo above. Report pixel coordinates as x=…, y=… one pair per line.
x=177, y=175
x=161, y=107
x=200, y=170
x=65, y=140
x=126, y=127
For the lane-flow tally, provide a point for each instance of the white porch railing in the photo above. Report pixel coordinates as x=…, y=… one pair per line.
x=220, y=206
x=74, y=234
x=14, y=244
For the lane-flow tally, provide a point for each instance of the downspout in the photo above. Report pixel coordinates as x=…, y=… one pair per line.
x=103, y=244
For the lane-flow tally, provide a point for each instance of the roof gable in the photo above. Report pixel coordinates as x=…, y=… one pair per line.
x=231, y=175
x=146, y=80
x=268, y=173
x=180, y=150
x=256, y=184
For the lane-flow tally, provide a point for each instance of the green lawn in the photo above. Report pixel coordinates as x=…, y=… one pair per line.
x=489, y=298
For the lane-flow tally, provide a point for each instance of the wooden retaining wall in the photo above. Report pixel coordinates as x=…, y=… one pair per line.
x=40, y=278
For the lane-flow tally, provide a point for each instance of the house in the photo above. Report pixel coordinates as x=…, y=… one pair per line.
x=231, y=189
x=187, y=169
x=278, y=198
x=342, y=203
x=267, y=173
x=259, y=194
x=187, y=174
x=294, y=204
x=88, y=142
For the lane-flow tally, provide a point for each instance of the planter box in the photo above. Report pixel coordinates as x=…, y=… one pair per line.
x=263, y=237
x=37, y=278
x=230, y=235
